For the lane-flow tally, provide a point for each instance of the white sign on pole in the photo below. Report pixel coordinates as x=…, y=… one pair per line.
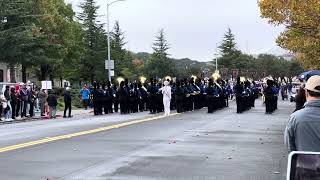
x=112, y=73
x=111, y=64
x=46, y=84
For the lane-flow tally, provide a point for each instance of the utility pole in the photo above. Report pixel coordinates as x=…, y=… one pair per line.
x=108, y=29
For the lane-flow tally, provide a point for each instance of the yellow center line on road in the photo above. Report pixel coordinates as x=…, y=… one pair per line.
x=67, y=136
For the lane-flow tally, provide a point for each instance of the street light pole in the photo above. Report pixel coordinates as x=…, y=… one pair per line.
x=108, y=29
x=216, y=54
x=109, y=49
x=216, y=63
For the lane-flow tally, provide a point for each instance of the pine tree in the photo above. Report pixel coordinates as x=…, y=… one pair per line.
x=118, y=52
x=160, y=46
x=159, y=65
x=17, y=40
x=92, y=65
x=228, y=50
x=228, y=46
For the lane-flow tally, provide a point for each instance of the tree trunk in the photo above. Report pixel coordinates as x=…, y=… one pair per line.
x=51, y=78
x=12, y=74
x=43, y=72
x=24, y=73
x=61, y=82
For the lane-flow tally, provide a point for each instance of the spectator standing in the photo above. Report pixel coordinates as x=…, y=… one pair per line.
x=18, y=105
x=13, y=98
x=52, y=103
x=42, y=97
x=32, y=100
x=303, y=129
x=67, y=103
x=24, y=101
x=8, y=113
x=3, y=104
x=84, y=95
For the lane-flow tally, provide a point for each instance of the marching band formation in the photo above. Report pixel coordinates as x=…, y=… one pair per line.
x=185, y=95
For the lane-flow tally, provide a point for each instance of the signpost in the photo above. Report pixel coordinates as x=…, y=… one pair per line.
x=111, y=68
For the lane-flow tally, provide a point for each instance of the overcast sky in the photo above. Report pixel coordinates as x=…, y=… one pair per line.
x=193, y=28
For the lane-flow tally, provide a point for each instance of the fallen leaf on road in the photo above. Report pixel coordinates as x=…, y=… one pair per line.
x=262, y=143
x=229, y=157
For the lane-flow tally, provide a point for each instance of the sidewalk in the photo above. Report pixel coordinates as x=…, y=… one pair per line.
x=37, y=117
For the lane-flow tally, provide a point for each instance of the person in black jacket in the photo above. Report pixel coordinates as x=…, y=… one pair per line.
x=123, y=94
x=269, y=97
x=52, y=103
x=116, y=99
x=14, y=100
x=67, y=103
x=152, y=91
x=179, y=96
x=110, y=97
x=31, y=101
x=142, y=97
x=239, y=95
x=24, y=101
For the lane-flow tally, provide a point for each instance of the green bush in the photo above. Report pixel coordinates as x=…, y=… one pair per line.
x=76, y=102
x=59, y=91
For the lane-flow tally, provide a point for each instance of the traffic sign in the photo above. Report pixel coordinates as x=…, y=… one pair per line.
x=111, y=64
x=112, y=73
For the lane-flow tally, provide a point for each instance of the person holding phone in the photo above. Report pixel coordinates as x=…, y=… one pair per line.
x=303, y=129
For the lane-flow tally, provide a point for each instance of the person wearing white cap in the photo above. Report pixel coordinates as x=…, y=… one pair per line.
x=303, y=129
x=166, y=91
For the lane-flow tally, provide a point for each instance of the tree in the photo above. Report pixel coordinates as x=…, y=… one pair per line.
x=118, y=52
x=159, y=65
x=92, y=64
x=301, y=19
x=160, y=46
x=228, y=46
x=228, y=49
x=17, y=40
x=39, y=34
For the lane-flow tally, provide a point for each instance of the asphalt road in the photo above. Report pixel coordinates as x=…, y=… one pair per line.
x=195, y=146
